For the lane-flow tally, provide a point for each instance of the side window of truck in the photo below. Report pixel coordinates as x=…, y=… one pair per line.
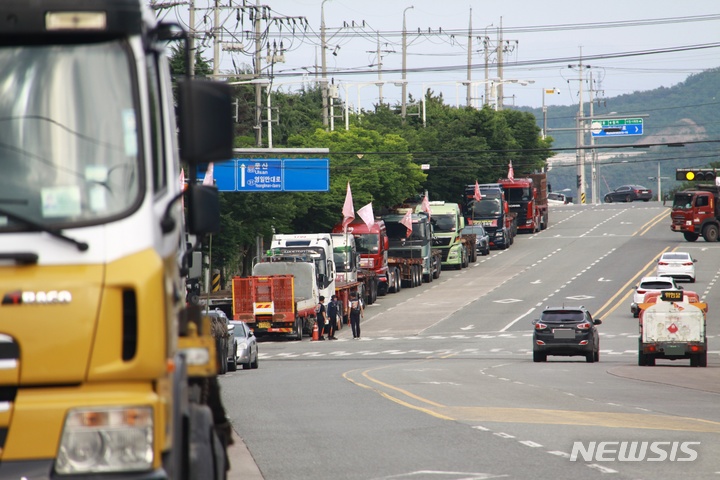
x=156, y=127
x=701, y=201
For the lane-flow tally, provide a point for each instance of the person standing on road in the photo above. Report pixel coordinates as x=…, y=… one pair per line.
x=321, y=313
x=333, y=309
x=356, y=313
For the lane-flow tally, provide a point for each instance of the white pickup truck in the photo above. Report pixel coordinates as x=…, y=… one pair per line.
x=672, y=328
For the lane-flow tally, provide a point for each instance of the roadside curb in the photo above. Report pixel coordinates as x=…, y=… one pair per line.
x=242, y=464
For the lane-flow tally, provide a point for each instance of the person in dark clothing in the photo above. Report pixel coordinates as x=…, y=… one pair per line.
x=333, y=310
x=321, y=313
x=356, y=313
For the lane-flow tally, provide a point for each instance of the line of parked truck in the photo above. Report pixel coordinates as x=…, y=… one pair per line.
x=403, y=248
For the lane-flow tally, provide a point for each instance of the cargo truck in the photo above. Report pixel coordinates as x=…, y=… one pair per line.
x=492, y=212
x=412, y=255
x=457, y=249
x=527, y=198
x=672, y=328
x=372, y=244
x=106, y=372
x=278, y=299
x=696, y=213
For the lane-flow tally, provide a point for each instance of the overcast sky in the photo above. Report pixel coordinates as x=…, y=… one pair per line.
x=536, y=33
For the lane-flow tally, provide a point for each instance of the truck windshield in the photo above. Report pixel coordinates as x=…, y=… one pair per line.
x=367, y=243
x=397, y=230
x=683, y=201
x=485, y=207
x=521, y=194
x=444, y=223
x=342, y=259
x=68, y=139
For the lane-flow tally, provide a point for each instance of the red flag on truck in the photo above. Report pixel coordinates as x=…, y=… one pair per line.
x=348, y=211
x=426, y=205
x=511, y=173
x=366, y=213
x=477, y=196
x=407, y=221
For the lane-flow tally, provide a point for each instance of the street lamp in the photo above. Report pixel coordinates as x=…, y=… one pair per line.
x=495, y=82
x=544, y=108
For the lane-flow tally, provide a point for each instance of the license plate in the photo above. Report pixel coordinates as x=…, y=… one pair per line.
x=564, y=333
x=674, y=350
x=264, y=325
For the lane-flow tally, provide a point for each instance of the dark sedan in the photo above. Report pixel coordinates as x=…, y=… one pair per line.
x=566, y=331
x=482, y=241
x=629, y=193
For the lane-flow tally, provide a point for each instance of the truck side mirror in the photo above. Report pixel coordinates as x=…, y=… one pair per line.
x=205, y=121
x=203, y=210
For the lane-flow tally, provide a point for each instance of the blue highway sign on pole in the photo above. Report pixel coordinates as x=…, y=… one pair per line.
x=271, y=175
x=617, y=127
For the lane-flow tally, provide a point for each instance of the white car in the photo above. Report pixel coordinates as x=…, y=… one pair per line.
x=555, y=198
x=650, y=284
x=678, y=265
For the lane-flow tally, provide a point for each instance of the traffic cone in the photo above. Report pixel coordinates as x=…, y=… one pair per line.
x=316, y=333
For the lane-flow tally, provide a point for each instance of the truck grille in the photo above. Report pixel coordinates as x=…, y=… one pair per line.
x=442, y=241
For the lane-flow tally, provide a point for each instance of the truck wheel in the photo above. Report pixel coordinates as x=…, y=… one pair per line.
x=642, y=359
x=298, y=329
x=702, y=360
x=710, y=233
x=690, y=237
x=438, y=269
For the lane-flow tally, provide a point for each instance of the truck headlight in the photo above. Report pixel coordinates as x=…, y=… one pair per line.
x=106, y=440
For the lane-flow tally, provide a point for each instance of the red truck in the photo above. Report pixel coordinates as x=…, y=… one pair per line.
x=280, y=298
x=528, y=198
x=372, y=244
x=696, y=213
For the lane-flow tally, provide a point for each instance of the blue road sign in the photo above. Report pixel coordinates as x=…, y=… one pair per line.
x=306, y=175
x=270, y=175
x=617, y=127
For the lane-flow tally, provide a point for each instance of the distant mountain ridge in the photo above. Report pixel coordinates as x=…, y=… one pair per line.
x=684, y=112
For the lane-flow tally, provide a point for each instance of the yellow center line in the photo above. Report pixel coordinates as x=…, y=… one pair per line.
x=643, y=273
x=530, y=415
x=651, y=223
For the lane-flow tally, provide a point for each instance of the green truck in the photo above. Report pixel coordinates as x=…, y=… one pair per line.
x=458, y=250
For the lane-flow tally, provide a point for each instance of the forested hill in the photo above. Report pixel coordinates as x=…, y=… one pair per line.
x=686, y=111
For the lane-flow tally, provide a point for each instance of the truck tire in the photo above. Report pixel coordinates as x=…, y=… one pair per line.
x=690, y=237
x=710, y=233
x=642, y=359
x=438, y=270
x=298, y=329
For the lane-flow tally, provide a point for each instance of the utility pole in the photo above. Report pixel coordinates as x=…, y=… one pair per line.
x=379, y=56
x=258, y=73
x=580, y=133
x=500, y=92
x=593, y=153
x=216, y=39
x=469, y=62
x=323, y=66
x=191, y=40
x=403, y=109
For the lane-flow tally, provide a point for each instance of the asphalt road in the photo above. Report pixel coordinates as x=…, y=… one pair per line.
x=442, y=383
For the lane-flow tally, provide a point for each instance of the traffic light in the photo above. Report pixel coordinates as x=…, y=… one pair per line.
x=695, y=174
